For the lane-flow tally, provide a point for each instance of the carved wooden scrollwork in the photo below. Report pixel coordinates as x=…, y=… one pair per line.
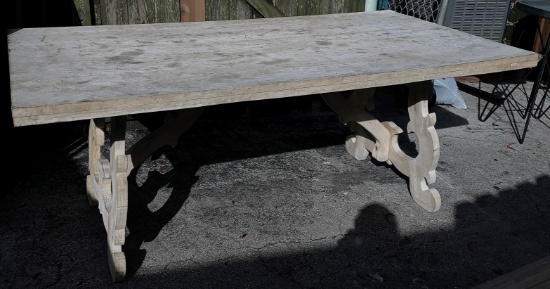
x=107, y=184
x=380, y=139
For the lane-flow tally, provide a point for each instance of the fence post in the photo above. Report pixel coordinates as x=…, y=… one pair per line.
x=192, y=11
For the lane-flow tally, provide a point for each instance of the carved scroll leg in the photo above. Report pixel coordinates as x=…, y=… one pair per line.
x=421, y=169
x=352, y=110
x=372, y=135
x=118, y=208
x=107, y=184
x=380, y=138
x=108, y=180
x=107, y=187
x=96, y=139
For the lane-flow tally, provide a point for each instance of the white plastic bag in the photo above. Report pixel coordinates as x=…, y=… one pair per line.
x=446, y=92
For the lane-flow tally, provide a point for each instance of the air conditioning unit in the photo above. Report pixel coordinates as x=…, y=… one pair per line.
x=485, y=19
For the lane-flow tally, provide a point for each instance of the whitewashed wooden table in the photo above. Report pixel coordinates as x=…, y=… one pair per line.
x=95, y=73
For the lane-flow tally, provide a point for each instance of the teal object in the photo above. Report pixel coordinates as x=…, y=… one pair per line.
x=538, y=8
x=383, y=5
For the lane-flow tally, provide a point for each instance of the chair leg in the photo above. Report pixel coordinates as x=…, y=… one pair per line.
x=530, y=109
x=540, y=110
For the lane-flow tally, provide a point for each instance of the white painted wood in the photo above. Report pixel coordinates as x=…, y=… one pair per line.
x=103, y=189
x=421, y=168
x=118, y=208
x=96, y=139
x=353, y=109
x=73, y=73
x=111, y=196
x=381, y=139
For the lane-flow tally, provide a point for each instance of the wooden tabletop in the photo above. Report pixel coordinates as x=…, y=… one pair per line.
x=75, y=73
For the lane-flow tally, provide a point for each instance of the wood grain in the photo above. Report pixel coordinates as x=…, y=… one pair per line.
x=265, y=8
x=75, y=73
x=192, y=10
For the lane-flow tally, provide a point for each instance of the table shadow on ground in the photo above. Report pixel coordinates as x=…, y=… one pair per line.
x=265, y=136
x=298, y=132
x=67, y=236
x=492, y=236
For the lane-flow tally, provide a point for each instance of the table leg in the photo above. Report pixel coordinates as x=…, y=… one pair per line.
x=107, y=184
x=107, y=188
x=118, y=209
x=96, y=139
x=370, y=135
x=420, y=169
x=380, y=138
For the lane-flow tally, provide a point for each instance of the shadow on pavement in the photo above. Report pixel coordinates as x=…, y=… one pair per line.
x=491, y=237
x=51, y=237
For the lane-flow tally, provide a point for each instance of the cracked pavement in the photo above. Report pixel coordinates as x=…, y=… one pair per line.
x=273, y=200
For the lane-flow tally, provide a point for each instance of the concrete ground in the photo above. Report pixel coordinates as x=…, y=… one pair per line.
x=274, y=201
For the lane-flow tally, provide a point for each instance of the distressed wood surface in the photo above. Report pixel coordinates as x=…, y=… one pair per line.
x=114, y=12
x=164, y=11
x=217, y=10
x=301, y=7
x=75, y=73
x=192, y=10
x=117, y=12
x=151, y=11
x=84, y=14
x=117, y=205
x=265, y=8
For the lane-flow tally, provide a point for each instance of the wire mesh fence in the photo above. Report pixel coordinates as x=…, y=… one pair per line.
x=484, y=18
x=424, y=9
